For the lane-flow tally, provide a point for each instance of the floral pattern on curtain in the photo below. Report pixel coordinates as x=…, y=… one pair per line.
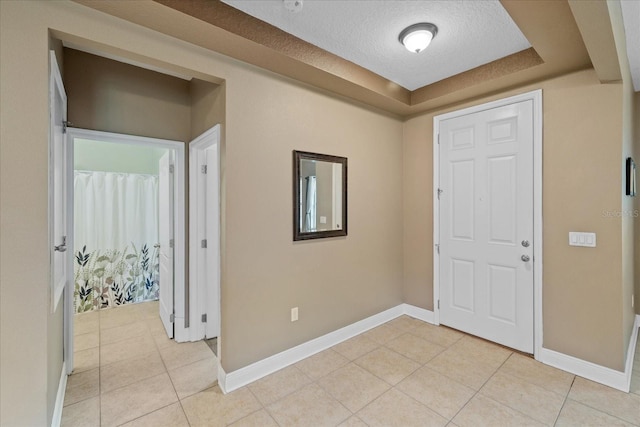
x=116, y=232
x=112, y=277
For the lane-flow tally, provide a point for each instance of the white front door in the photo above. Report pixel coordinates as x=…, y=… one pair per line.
x=486, y=224
x=166, y=238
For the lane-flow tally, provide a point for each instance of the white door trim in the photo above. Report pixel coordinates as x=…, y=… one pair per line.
x=536, y=97
x=204, y=296
x=181, y=332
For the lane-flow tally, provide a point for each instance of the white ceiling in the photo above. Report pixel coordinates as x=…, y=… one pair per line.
x=470, y=33
x=631, y=18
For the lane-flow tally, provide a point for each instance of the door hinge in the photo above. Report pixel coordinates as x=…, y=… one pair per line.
x=438, y=304
x=65, y=125
x=203, y=243
x=171, y=168
x=62, y=247
x=171, y=243
x=438, y=248
x=440, y=191
x=172, y=318
x=204, y=318
x=438, y=139
x=203, y=168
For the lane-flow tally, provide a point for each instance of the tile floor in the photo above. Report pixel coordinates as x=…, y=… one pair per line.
x=403, y=373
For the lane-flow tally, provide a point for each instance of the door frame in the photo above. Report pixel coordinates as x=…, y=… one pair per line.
x=536, y=97
x=204, y=295
x=180, y=331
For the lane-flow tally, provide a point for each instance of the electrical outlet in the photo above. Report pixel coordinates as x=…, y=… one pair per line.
x=294, y=314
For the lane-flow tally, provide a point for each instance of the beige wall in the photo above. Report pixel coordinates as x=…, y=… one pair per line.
x=581, y=160
x=334, y=282
x=417, y=194
x=24, y=247
x=207, y=106
x=111, y=96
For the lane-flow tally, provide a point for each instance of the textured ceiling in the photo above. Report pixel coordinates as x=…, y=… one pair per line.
x=631, y=16
x=470, y=33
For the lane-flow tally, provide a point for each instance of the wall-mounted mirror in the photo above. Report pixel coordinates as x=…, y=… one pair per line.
x=319, y=196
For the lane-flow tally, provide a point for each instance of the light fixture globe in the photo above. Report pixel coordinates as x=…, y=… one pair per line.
x=417, y=37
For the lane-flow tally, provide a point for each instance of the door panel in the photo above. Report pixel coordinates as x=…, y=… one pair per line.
x=165, y=234
x=462, y=285
x=502, y=293
x=462, y=200
x=486, y=211
x=502, y=190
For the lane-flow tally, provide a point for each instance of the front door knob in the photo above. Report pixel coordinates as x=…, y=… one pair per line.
x=525, y=258
x=525, y=243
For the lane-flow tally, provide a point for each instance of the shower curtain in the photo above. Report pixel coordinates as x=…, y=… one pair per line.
x=116, y=232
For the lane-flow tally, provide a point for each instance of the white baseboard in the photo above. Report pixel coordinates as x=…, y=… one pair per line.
x=591, y=371
x=628, y=369
x=62, y=387
x=243, y=376
x=419, y=313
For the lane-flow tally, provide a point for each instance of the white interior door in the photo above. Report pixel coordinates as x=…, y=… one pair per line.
x=486, y=224
x=60, y=203
x=204, y=232
x=59, y=154
x=166, y=237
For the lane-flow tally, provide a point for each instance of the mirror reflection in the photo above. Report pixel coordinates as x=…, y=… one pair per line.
x=320, y=193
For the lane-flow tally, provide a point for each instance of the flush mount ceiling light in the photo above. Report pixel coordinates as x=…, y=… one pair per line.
x=417, y=37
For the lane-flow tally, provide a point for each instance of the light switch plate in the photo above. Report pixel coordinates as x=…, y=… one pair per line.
x=582, y=239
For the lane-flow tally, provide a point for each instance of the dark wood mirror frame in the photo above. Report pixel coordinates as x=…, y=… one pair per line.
x=302, y=235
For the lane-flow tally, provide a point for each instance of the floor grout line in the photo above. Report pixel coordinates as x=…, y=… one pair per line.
x=479, y=388
x=564, y=402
